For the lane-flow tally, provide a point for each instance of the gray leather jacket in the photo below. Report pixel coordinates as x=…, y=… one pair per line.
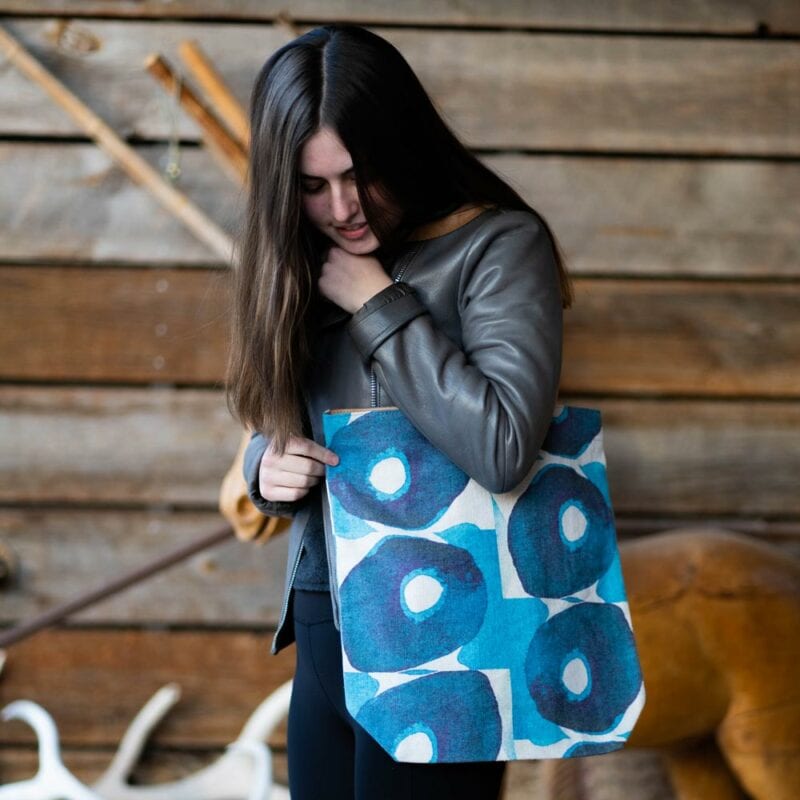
x=468, y=345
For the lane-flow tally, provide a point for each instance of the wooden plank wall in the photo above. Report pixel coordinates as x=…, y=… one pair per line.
x=660, y=140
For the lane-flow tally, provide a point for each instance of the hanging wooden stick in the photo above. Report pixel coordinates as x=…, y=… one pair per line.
x=124, y=155
x=221, y=144
x=217, y=91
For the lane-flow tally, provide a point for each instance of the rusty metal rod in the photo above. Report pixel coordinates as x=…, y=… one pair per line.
x=57, y=613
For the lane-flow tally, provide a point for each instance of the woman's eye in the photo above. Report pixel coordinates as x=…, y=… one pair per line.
x=312, y=188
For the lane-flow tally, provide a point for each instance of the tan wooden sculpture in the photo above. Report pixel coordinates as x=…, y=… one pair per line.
x=716, y=617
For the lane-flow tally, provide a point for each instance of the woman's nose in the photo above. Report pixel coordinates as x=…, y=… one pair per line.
x=344, y=201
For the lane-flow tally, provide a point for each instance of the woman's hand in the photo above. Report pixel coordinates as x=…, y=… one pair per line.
x=290, y=476
x=350, y=280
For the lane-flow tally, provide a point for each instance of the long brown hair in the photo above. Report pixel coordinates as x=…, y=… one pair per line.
x=356, y=83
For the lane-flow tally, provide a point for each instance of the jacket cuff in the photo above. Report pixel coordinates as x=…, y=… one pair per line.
x=251, y=462
x=382, y=315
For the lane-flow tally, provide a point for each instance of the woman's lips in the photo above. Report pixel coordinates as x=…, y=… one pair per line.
x=356, y=233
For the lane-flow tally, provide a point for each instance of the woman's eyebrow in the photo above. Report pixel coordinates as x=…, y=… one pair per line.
x=341, y=174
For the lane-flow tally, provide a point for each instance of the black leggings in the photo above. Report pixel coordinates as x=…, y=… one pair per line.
x=331, y=757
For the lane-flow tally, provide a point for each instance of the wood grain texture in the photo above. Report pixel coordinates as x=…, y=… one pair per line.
x=94, y=682
x=72, y=203
x=65, y=552
x=714, y=338
x=729, y=457
x=612, y=215
x=114, y=324
x=126, y=325
x=115, y=446
x=718, y=16
x=544, y=91
x=137, y=446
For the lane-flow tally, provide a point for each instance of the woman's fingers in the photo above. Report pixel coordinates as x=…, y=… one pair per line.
x=301, y=446
x=289, y=476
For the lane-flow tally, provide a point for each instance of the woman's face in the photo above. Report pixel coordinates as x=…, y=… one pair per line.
x=330, y=195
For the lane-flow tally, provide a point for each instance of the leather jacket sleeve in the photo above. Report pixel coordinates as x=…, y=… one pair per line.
x=251, y=462
x=487, y=406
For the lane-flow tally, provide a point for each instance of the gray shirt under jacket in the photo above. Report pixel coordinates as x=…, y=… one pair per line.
x=312, y=570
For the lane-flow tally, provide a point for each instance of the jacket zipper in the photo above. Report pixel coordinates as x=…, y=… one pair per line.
x=285, y=607
x=372, y=379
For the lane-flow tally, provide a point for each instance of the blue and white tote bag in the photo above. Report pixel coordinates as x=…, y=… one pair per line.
x=479, y=626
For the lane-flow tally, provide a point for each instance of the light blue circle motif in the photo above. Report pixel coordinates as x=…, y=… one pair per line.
x=572, y=656
x=420, y=574
x=385, y=455
x=573, y=507
x=418, y=728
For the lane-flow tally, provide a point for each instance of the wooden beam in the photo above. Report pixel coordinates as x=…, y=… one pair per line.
x=691, y=16
x=552, y=92
x=228, y=152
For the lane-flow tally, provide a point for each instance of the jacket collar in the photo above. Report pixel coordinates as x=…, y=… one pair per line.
x=448, y=223
x=430, y=230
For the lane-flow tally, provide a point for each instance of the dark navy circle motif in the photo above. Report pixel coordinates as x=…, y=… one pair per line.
x=430, y=481
x=456, y=711
x=401, y=628
x=571, y=432
x=560, y=533
x=588, y=687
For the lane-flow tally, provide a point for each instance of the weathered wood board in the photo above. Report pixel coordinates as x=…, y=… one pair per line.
x=707, y=16
x=64, y=552
x=612, y=215
x=117, y=447
x=702, y=338
x=721, y=338
x=223, y=677
x=70, y=202
x=127, y=447
x=665, y=94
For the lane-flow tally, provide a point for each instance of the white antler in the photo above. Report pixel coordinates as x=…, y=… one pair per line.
x=243, y=771
x=53, y=781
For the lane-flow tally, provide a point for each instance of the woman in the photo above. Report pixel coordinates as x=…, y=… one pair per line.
x=355, y=184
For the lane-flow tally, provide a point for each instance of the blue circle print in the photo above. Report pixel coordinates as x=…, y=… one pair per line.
x=560, y=533
x=581, y=749
x=423, y=480
x=571, y=431
x=432, y=599
x=456, y=711
x=608, y=664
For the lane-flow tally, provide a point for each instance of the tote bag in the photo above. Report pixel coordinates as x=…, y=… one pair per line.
x=479, y=626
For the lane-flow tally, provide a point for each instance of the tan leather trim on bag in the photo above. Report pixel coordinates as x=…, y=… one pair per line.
x=439, y=227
